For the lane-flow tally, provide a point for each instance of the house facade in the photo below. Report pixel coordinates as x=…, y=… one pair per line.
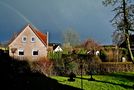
x=29, y=44
x=55, y=47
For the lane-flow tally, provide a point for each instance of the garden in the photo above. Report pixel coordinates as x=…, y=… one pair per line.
x=115, y=81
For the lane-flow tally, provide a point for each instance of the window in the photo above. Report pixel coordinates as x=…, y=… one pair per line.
x=35, y=52
x=21, y=52
x=24, y=38
x=32, y=39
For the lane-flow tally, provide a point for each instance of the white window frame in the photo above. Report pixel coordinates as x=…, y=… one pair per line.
x=20, y=50
x=33, y=51
x=32, y=40
x=23, y=38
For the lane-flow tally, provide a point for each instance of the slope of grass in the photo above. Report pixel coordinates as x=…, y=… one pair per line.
x=116, y=81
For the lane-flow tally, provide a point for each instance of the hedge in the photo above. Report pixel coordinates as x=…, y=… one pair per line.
x=111, y=67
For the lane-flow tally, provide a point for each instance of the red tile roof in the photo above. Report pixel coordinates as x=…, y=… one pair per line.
x=41, y=36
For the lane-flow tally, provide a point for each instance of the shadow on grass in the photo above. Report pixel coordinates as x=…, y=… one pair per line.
x=122, y=85
x=127, y=76
x=16, y=75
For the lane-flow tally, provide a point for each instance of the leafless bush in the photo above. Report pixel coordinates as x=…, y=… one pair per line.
x=43, y=65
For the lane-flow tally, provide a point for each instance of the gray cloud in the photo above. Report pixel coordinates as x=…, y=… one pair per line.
x=88, y=17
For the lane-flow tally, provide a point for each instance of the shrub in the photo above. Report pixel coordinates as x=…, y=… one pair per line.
x=43, y=65
x=54, y=55
x=103, y=55
x=73, y=66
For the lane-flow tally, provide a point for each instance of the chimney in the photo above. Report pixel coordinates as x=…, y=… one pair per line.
x=47, y=39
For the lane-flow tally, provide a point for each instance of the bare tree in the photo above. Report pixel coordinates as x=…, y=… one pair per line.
x=90, y=44
x=71, y=37
x=123, y=20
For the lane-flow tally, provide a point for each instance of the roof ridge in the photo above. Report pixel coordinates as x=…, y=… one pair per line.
x=32, y=27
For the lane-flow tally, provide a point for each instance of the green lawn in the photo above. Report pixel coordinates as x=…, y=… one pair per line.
x=117, y=81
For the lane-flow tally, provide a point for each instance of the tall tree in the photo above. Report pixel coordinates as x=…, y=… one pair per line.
x=71, y=37
x=123, y=19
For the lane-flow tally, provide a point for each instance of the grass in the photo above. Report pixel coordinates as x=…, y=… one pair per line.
x=115, y=81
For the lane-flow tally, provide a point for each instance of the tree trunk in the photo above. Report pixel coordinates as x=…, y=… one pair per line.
x=129, y=49
x=126, y=31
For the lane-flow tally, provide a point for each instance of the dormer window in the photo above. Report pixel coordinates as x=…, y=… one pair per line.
x=32, y=39
x=24, y=39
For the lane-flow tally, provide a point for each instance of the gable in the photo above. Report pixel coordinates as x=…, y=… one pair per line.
x=29, y=32
x=58, y=49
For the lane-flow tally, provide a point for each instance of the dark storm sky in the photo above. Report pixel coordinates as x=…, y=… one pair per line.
x=87, y=17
